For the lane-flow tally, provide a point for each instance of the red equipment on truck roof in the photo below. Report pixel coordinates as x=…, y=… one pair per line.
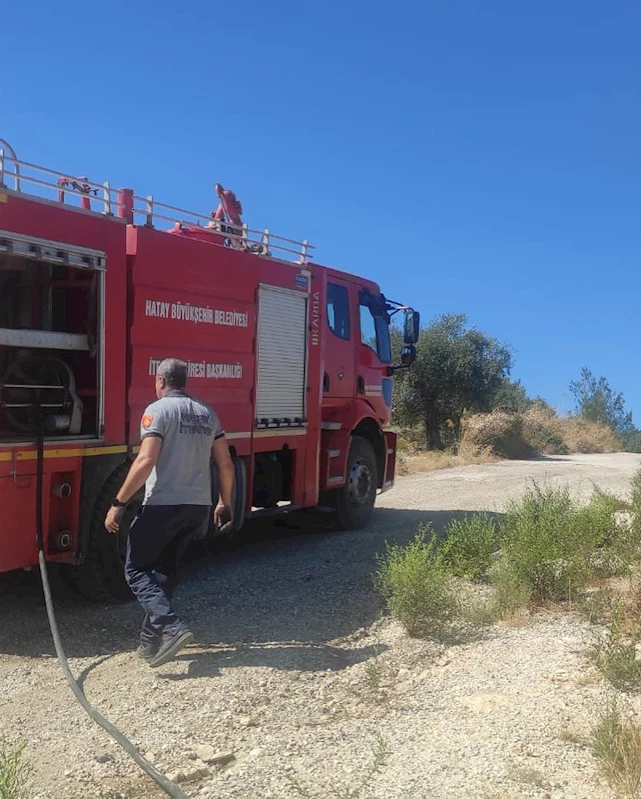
x=98, y=285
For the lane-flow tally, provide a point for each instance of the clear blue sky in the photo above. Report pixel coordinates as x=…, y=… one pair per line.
x=476, y=157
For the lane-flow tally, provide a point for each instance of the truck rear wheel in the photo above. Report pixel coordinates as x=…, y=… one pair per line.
x=101, y=576
x=238, y=496
x=239, y=493
x=355, y=500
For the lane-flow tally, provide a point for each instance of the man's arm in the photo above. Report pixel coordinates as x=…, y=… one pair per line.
x=222, y=459
x=139, y=472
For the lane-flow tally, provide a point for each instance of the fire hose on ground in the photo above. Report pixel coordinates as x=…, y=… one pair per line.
x=170, y=788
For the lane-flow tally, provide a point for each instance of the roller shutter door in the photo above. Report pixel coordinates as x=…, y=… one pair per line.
x=282, y=344
x=52, y=252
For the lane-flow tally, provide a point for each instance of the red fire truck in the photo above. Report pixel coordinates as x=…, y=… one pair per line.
x=97, y=285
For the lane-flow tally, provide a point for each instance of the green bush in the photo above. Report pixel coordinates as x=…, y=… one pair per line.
x=468, y=545
x=613, y=525
x=544, y=544
x=595, y=522
x=511, y=591
x=553, y=545
x=417, y=587
x=619, y=542
x=595, y=525
x=543, y=437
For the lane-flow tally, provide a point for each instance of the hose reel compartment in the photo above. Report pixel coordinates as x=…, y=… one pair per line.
x=45, y=380
x=50, y=339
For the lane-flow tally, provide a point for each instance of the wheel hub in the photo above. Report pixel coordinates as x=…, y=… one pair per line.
x=360, y=483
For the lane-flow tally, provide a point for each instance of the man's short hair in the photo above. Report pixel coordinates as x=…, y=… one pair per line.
x=174, y=372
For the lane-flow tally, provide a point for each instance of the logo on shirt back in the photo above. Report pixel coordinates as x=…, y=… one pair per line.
x=146, y=421
x=195, y=423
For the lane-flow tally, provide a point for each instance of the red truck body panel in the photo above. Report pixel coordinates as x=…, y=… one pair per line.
x=180, y=292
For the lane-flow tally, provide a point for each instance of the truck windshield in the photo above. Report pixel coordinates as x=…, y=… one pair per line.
x=375, y=329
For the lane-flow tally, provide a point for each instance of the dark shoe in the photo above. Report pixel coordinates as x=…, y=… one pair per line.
x=170, y=647
x=147, y=651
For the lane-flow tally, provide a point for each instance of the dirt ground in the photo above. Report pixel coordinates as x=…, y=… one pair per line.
x=289, y=643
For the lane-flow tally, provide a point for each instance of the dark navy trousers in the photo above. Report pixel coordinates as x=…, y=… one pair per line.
x=158, y=538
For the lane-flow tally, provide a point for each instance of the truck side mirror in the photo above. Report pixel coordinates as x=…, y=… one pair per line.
x=411, y=327
x=408, y=355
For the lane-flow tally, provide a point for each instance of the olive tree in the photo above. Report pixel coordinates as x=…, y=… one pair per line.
x=457, y=368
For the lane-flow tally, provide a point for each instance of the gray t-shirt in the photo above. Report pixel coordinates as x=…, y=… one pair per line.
x=187, y=428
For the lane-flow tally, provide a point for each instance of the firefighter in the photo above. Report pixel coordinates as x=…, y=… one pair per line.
x=179, y=435
x=229, y=209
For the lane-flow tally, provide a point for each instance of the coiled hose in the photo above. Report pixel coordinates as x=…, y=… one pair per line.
x=170, y=788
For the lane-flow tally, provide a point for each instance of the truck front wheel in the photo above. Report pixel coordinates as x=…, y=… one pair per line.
x=355, y=500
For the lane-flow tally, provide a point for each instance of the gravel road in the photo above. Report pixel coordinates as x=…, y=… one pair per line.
x=295, y=678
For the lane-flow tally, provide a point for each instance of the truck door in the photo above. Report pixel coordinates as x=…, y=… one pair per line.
x=339, y=340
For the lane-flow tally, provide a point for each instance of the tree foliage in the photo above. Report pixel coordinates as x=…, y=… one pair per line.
x=511, y=397
x=597, y=402
x=458, y=368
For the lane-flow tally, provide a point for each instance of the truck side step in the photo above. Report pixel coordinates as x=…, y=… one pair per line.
x=284, y=507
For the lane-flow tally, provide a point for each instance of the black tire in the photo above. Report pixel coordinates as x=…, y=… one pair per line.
x=101, y=576
x=238, y=495
x=354, y=502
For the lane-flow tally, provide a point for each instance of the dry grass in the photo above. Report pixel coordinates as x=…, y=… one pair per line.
x=537, y=431
x=571, y=736
x=616, y=744
x=417, y=462
x=497, y=432
x=487, y=437
x=530, y=776
x=618, y=596
x=582, y=436
x=414, y=459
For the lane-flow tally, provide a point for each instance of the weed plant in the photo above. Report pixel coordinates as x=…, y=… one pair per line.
x=511, y=591
x=418, y=589
x=615, y=655
x=15, y=772
x=596, y=607
x=616, y=744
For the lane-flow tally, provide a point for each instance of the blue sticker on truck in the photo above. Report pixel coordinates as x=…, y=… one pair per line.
x=301, y=280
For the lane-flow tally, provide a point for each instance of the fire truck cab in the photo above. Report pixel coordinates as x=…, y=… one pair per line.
x=98, y=285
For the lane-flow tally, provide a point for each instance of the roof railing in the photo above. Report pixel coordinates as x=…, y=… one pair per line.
x=263, y=242
x=124, y=204
x=23, y=172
